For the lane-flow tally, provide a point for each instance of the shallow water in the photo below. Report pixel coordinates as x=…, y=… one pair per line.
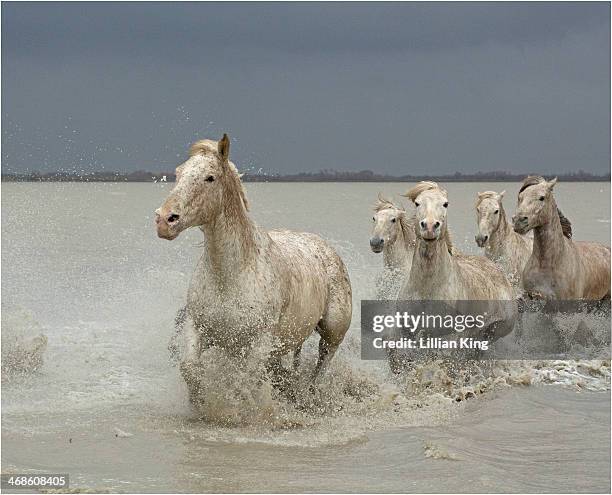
x=535, y=440
x=81, y=264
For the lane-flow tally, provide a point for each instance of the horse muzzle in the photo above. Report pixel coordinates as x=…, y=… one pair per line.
x=377, y=244
x=166, y=225
x=429, y=231
x=520, y=224
x=481, y=240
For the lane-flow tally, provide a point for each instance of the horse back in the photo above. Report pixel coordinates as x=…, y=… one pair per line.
x=484, y=278
x=309, y=262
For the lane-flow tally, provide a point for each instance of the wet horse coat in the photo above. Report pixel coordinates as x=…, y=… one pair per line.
x=250, y=282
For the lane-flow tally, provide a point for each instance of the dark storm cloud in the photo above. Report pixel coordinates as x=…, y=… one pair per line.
x=391, y=87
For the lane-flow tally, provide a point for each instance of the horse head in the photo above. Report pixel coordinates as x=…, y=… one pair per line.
x=431, y=204
x=489, y=212
x=387, y=224
x=536, y=204
x=206, y=185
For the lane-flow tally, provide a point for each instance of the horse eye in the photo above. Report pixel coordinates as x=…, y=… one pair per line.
x=445, y=205
x=393, y=220
x=416, y=204
x=374, y=218
x=210, y=178
x=541, y=198
x=496, y=212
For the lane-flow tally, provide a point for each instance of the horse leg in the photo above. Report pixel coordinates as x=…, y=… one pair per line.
x=275, y=368
x=274, y=364
x=336, y=319
x=332, y=328
x=173, y=344
x=193, y=344
x=397, y=362
x=326, y=353
x=189, y=365
x=296, y=358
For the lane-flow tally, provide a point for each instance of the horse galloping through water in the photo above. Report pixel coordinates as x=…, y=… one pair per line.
x=393, y=235
x=558, y=268
x=499, y=240
x=440, y=272
x=249, y=281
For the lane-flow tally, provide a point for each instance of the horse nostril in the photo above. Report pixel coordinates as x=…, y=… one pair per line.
x=423, y=224
x=486, y=237
x=173, y=217
x=437, y=224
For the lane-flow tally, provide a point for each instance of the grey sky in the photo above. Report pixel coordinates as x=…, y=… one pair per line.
x=395, y=88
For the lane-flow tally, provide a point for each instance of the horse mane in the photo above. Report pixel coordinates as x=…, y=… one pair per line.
x=425, y=185
x=485, y=195
x=531, y=180
x=452, y=250
x=240, y=186
x=204, y=147
x=210, y=147
x=383, y=203
x=566, y=225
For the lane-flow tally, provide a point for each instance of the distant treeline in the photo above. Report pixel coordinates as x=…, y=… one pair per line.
x=322, y=176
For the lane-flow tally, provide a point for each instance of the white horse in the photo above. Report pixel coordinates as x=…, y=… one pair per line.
x=441, y=273
x=499, y=240
x=559, y=268
x=393, y=235
x=249, y=281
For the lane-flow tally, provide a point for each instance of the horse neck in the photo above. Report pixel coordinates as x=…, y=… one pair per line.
x=432, y=263
x=498, y=242
x=548, y=239
x=231, y=240
x=398, y=254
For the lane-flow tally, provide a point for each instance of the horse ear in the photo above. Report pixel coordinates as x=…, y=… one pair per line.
x=551, y=183
x=501, y=194
x=224, y=146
